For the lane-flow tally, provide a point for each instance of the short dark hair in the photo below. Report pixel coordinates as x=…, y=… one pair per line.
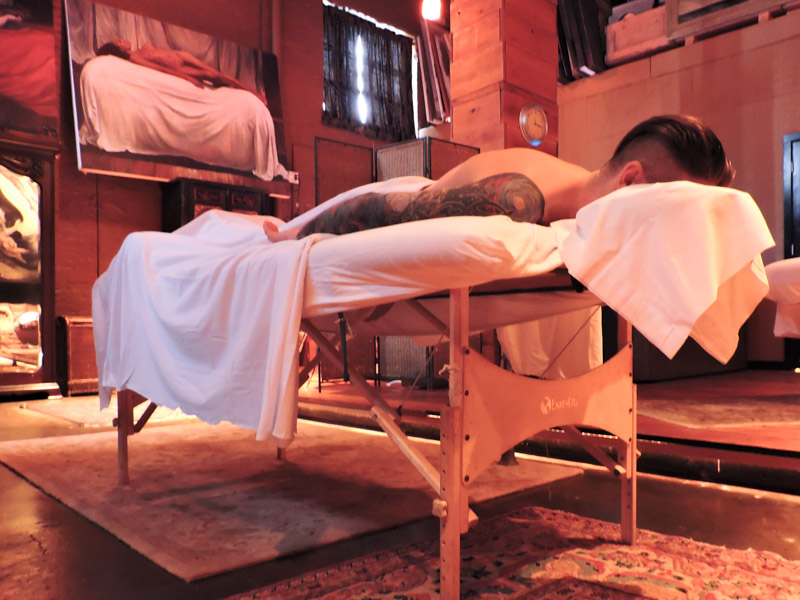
x=692, y=145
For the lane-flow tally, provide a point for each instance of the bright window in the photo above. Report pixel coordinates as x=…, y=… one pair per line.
x=369, y=76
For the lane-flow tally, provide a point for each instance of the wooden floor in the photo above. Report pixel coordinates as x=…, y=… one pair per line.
x=49, y=552
x=760, y=386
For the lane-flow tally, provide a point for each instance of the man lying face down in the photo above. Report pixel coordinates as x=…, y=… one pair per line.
x=532, y=186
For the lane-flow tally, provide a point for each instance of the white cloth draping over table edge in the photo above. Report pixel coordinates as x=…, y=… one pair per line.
x=784, y=290
x=206, y=319
x=675, y=259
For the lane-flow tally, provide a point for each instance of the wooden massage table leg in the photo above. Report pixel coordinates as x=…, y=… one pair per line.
x=124, y=423
x=628, y=455
x=452, y=508
x=127, y=400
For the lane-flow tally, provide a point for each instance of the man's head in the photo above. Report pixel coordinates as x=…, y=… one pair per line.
x=120, y=48
x=670, y=148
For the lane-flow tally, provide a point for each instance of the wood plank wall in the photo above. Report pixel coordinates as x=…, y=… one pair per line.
x=505, y=55
x=743, y=83
x=94, y=213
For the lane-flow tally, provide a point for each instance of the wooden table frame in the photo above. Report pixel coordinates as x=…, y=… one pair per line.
x=489, y=411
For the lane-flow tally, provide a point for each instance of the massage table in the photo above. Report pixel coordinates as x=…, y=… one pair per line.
x=234, y=354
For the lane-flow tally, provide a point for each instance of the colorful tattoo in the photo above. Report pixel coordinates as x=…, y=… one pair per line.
x=510, y=194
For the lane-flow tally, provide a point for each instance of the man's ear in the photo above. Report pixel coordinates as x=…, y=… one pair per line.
x=632, y=172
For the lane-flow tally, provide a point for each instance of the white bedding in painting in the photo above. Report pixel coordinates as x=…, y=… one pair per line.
x=131, y=108
x=784, y=290
x=206, y=319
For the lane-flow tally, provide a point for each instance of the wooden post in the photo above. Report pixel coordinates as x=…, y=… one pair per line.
x=453, y=519
x=630, y=453
x=125, y=404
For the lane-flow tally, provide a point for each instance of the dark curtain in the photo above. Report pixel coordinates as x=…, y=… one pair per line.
x=387, y=78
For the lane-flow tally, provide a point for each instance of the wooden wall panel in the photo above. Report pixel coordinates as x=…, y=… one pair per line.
x=505, y=55
x=469, y=116
x=75, y=238
x=742, y=83
x=482, y=68
x=124, y=206
x=535, y=73
x=464, y=13
x=478, y=34
x=303, y=158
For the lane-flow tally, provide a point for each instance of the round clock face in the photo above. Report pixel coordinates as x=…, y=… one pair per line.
x=533, y=123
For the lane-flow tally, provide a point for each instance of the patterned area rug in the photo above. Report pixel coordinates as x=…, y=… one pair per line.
x=550, y=555
x=85, y=411
x=207, y=499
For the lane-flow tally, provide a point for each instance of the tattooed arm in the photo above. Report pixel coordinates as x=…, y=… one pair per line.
x=508, y=194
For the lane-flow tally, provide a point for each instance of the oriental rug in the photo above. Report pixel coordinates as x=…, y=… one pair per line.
x=551, y=555
x=207, y=499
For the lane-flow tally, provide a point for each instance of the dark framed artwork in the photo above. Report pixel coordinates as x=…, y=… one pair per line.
x=154, y=100
x=29, y=85
x=26, y=270
x=435, y=51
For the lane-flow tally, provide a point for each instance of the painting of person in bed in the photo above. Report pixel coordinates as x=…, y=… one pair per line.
x=532, y=186
x=28, y=87
x=19, y=227
x=175, y=62
x=157, y=95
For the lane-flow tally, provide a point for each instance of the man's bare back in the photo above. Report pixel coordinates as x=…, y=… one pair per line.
x=560, y=182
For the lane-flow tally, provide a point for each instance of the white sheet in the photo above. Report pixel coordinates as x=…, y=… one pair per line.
x=207, y=318
x=675, y=259
x=555, y=347
x=382, y=265
x=784, y=290
x=131, y=108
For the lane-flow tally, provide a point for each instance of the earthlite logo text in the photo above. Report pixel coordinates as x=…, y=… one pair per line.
x=549, y=404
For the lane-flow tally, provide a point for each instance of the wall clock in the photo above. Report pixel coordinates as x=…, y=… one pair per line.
x=533, y=123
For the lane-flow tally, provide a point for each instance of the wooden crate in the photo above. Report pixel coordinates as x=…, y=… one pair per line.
x=687, y=19
x=636, y=36
x=76, y=367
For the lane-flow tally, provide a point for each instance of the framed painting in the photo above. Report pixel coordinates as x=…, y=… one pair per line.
x=154, y=100
x=435, y=52
x=29, y=86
